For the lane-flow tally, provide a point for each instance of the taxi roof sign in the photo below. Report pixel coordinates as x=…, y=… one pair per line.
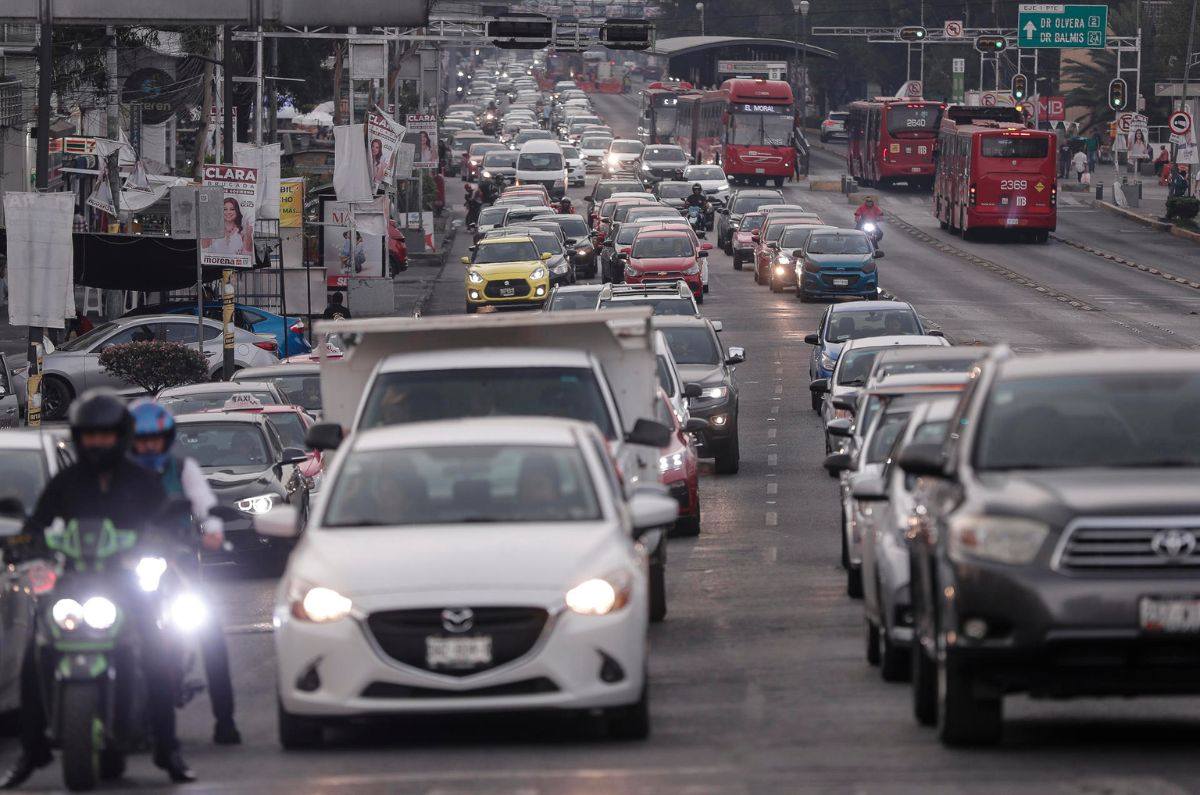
x=242, y=401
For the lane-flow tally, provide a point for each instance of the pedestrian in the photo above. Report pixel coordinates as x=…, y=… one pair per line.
x=1179, y=182
x=441, y=156
x=337, y=309
x=1064, y=159
x=797, y=154
x=1080, y=163
x=1093, y=150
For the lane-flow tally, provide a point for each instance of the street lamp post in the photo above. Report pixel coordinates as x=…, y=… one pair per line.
x=700, y=8
x=801, y=8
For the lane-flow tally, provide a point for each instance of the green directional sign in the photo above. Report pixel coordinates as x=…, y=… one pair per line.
x=1047, y=25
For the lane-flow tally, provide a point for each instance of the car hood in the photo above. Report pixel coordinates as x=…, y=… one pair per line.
x=664, y=264
x=704, y=374
x=1060, y=495
x=834, y=349
x=229, y=486
x=712, y=184
x=507, y=270
x=853, y=261
x=453, y=557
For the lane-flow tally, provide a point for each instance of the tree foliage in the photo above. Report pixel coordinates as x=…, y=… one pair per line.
x=154, y=365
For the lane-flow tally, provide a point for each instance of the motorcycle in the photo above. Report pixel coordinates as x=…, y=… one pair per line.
x=695, y=216
x=873, y=229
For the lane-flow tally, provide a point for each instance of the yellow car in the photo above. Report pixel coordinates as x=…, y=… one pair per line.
x=506, y=271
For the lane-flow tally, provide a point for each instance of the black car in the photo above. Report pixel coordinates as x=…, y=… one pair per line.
x=1054, y=541
x=250, y=470
x=499, y=166
x=708, y=371
x=579, y=242
x=661, y=162
x=745, y=200
x=605, y=188
x=673, y=193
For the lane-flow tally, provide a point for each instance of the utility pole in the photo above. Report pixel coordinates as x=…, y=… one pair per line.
x=1187, y=71
x=258, y=88
x=114, y=97
x=273, y=96
x=227, y=92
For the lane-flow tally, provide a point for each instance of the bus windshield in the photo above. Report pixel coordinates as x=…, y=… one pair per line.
x=922, y=120
x=1013, y=147
x=763, y=129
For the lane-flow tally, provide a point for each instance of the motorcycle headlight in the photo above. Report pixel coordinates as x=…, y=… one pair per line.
x=868, y=227
x=537, y=273
x=601, y=595
x=645, y=166
x=149, y=571
x=257, y=506
x=319, y=605
x=99, y=612
x=581, y=251
x=475, y=277
x=669, y=463
x=67, y=613
x=827, y=361
x=1002, y=539
x=188, y=612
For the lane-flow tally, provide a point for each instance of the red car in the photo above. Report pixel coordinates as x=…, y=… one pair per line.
x=397, y=250
x=666, y=255
x=742, y=242
x=679, y=470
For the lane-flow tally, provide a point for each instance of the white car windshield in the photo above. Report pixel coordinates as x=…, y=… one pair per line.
x=539, y=161
x=220, y=445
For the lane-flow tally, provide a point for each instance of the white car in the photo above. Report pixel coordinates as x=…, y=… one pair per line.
x=576, y=171
x=711, y=178
x=466, y=566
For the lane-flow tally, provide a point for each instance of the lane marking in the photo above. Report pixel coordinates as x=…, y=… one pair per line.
x=772, y=459
x=519, y=774
x=771, y=432
x=260, y=628
x=772, y=519
x=1121, y=260
x=772, y=488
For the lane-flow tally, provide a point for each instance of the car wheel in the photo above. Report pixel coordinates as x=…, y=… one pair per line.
x=924, y=685
x=56, y=398
x=470, y=308
x=872, y=643
x=816, y=402
x=757, y=276
x=854, y=585
x=631, y=722
x=704, y=289
x=700, y=297
x=894, y=662
x=729, y=462
x=295, y=732
x=845, y=562
x=964, y=717
x=687, y=525
x=658, y=592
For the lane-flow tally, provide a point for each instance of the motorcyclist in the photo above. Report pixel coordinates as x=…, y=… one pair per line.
x=474, y=203
x=153, y=435
x=867, y=211
x=698, y=199
x=564, y=206
x=103, y=484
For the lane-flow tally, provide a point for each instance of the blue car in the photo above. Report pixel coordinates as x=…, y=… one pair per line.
x=250, y=318
x=843, y=322
x=837, y=263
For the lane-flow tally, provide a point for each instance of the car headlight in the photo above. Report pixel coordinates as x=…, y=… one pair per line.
x=317, y=604
x=149, y=571
x=99, y=612
x=581, y=251
x=487, y=175
x=188, y=612
x=692, y=271
x=257, y=505
x=645, y=166
x=537, y=273
x=669, y=463
x=1003, y=539
x=67, y=613
x=827, y=361
x=714, y=392
x=783, y=259
x=560, y=269
x=601, y=595
x=613, y=160
x=780, y=270
x=475, y=277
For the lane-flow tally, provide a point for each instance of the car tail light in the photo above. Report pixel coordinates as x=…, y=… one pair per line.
x=297, y=327
x=883, y=153
x=971, y=196
x=267, y=345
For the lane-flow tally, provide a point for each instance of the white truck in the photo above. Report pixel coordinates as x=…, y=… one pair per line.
x=594, y=366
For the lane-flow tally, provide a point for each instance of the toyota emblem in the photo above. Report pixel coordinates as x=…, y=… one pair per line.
x=459, y=620
x=1174, y=544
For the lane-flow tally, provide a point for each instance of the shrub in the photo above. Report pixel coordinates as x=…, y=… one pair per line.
x=1183, y=207
x=154, y=365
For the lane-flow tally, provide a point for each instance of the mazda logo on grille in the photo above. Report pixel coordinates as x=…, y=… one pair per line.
x=458, y=620
x=1174, y=543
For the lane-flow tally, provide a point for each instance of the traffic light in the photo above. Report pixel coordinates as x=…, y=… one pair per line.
x=1117, y=94
x=911, y=33
x=1020, y=87
x=988, y=44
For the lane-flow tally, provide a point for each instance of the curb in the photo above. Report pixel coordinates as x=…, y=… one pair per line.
x=427, y=293
x=1161, y=226
x=1186, y=234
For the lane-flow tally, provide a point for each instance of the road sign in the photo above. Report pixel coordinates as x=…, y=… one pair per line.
x=184, y=201
x=953, y=29
x=1047, y=25
x=959, y=66
x=1052, y=108
x=1180, y=122
x=988, y=100
x=1124, y=122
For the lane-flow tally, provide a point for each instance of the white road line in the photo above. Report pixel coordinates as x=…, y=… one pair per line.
x=779, y=389
x=772, y=459
x=771, y=432
x=772, y=488
x=249, y=629
x=772, y=519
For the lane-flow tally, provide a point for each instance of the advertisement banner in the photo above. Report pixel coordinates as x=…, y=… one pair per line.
x=291, y=203
x=364, y=257
x=383, y=136
x=422, y=133
x=235, y=249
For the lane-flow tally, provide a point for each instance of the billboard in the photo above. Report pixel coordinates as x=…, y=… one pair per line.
x=383, y=137
x=235, y=248
x=363, y=257
x=422, y=133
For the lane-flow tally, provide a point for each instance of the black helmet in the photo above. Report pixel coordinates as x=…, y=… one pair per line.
x=101, y=410
x=696, y=186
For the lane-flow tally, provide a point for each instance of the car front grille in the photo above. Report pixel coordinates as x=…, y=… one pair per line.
x=520, y=288
x=1143, y=543
x=401, y=634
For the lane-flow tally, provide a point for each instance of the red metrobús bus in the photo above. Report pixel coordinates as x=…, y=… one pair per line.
x=659, y=101
x=996, y=175
x=746, y=126
x=892, y=140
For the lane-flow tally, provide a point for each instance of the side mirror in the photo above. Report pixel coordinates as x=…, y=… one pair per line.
x=846, y=402
x=837, y=462
x=696, y=425
x=717, y=325
x=472, y=227
x=819, y=386
x=936, y=333
x=572, y=241
x=649, y=433
x=736, y=355
x=701, y=254
x=840, y=427
x=294, y=455
x=923, y=459
x=465, y=260
x=649, y=510
x=878, y=253
x=546, y=256
x=279, y=522
x=812, y=339
x=324, y=436
x=798, y=253
x=869, y=489
x=12, y=508
x=692, y=390
x=774, y=246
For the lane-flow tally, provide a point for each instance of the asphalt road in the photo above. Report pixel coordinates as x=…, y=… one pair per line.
x=758, y=677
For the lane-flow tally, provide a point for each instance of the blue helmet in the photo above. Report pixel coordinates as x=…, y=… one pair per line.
x=152, y=419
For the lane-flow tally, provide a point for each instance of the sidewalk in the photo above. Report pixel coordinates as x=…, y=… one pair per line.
x=1151, y=209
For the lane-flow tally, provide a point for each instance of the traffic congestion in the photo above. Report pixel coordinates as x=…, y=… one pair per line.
x=614, y=515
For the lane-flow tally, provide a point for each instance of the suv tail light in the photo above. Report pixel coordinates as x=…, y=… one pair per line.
x=297, y=327
x=267, y=345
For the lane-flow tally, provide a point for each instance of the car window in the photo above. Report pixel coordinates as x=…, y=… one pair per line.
x=573, y=300
x=491, y=216
x=23, y=475
x=514, y=251
x=884, y=436
x=290, y=428
x=838, y=244
x=548, y=244
x=190, y=404
x=233, y=445
x=746, y=204
x=666, y=154
x=539, y=161
x=575, y=228
x=873, y=323
x=479, y=484
x=662, y=247
x=626, y=147
x=141, y=332
x=706, y=172
x=302, y=389
x=692, y=345
x=795, y=238
x=185, y=333
x=752, y=222
x=500, y=160
x=854, y=366
x=658, y=306
x=84, y=341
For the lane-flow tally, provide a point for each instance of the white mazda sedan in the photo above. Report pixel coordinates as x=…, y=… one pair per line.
x=473, y=565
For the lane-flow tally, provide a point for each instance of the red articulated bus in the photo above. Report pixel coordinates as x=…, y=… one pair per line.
x=891, y=140
x=746, y=126
x=659, y=101
x=995, y=174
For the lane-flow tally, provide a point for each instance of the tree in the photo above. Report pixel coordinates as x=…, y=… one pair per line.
x=154, y=366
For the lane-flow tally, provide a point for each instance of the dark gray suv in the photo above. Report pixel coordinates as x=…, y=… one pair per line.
x=1055, y=537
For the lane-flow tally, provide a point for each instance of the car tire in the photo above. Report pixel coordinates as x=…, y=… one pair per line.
x=854, y=583
x=631, y=722
x=872, y=643
x=816, y=402
x=845, y=561
x=687, y=526
x=895, y=663
x=700, y=297
x=704, y=289
x=965, y=718
x=804, y=297
x=737, y=262
x=729, y=462
x=924, y=685
x=658, y=591
x=757, y=276
x=56, y=398
x=471, y=308
x=297, y=733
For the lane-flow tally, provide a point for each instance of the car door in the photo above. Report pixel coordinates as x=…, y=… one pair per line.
x=94, y=376
x=815, y=355
x=9, y=415
x=184, y=333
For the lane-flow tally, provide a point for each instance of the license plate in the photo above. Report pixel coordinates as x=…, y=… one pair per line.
x=1171, y=616
x=508, y=292
x=760, y=171
x=1012, y=221
x=458, y=652
x=841, y=282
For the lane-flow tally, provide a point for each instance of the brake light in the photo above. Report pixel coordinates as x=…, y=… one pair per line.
x=971, y=196
x=1054, y=195
x=267, y=345
x=883, y=153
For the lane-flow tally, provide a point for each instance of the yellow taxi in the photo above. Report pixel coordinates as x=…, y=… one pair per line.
x=506, y=271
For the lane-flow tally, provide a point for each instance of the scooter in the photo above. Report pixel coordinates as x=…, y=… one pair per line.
x=873, y=229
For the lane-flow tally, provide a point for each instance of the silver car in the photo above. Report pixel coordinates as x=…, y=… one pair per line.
x=75, y=366
x=218, y=395
x=300, y=384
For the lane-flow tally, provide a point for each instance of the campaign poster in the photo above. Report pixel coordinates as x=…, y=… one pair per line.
x=235, y=248
x=422, y=133
x=383, y=136
x=291, y=203
x=363, y=257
